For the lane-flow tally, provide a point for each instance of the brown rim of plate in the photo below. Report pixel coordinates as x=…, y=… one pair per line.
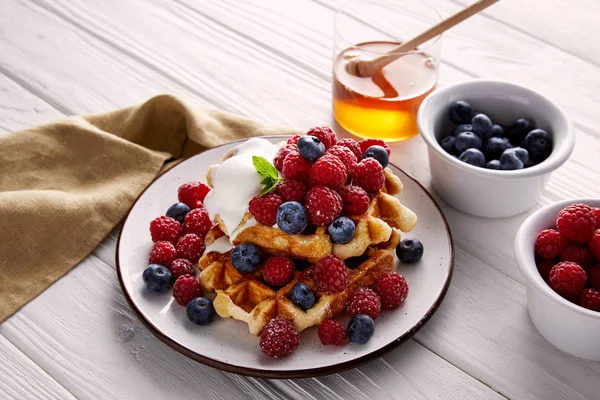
x=271, y=374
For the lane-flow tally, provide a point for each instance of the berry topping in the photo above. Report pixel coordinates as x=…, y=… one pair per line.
x=192, y=193
x=449, y=145
x=368, y=174
x=302, y=296
x=510, y=161
x=279, y=338
x=197, y=221
x=549, y=244
x=190, y=246
x=577, y=223
x=264, y=208
x=410, y=251
x=360, y=328
x=538, y=143
x=597, y=213
x=567, y=278
x=356, y=200
x=162, y=253
x=463, y=128
x=281, y=154
x=157, y=278
x=520, y=152
x=378, y=153
x=181, y=266
x=365, y=144
x=323, y=204
x=364, y=301
x=330, y=274
x=245, y=257
x=292, y=217
x=329, y=171
x=345, y=155
x=186, y=288
x=294, y=140
x=392, y=290
x=291, y=190
x=593, y=277
x=296, y=167
x=325, y=134
x=332, y=333
x=474, y=157
x=482, y=126
x=164, y=229
x=494, y=147
x=519, y=129
x=497, y=130
x=590, y=299
x=341, y=230
x=544, y=267
x=493, y=164
x=352, y=145
x=178, y=211
x=578, y=254
x=594, y=245
x=460, y=112
x=467, y=140
x=311, y=148
x=200, y=311
x=278, y=271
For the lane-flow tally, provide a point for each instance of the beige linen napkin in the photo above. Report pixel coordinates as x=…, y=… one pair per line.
x=65, y=185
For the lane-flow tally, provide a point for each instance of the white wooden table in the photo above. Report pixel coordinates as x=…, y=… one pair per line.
x=270, y=60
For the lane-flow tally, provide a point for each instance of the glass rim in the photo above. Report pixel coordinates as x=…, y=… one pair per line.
x=340, y=11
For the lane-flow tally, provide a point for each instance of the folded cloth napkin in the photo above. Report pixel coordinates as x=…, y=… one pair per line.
x=65, y=185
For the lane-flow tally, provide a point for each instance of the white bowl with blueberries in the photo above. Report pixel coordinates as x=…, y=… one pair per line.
x=492, y=145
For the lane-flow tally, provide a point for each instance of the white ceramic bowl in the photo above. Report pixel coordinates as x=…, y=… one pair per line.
x=484, y=192
x=571, y=328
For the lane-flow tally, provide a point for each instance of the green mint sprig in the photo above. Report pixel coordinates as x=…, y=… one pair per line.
x=268, y=172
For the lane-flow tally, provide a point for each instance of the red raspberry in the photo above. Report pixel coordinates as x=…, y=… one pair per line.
x=323, y=205
x=279, y=338
x=578, y=254
x=291, y=190
x=265, y=208
x=392, y=290
x=329, y=171
x=364, y=301
x=186, y=288
x=294, y=140
x=549, y=244
x=164, y=229
x=281, y=154
x=576, y=223
x=192, y=193
x=325, y=135
x=197, y=221
x=332, y=333
x=593, y=277
x=368, y=174
x=162, y=253
x=597, y=213
x=330, y=275
x=544, y=267
x=590, y=299
x=567, y=278
x=191, y=247
x=296, y=167
x=181, y=266
x=278, y=271
x=352, y=145
x=594, y=245
x=356, y=200
x=345, y=155
x=365, y=144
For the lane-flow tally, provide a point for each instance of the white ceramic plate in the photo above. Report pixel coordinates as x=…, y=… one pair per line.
x=226, y=343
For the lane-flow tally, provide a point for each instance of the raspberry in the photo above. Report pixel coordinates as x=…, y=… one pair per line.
x=296, y=167
x=352, y=145
x=191, y=247
x=345, y=155
x=392, y=290
x=590, y=299
x=265, y=208
x=291, y=190
x=294, y=140
x=576, y=223
x=330, y=274
x=181, y=266
x=329, y=171
x=368, y=174
x=356, y=200
x=162, y=253
x=279, y=338
x=278, y=271
x=593, y=277
x=332, y=333
x=364, y=301
x=197, y=221
x=578, y=254
x=186, y=288
x=281, y=154
x=365, y=144
x=325, y=135
x=323, y=205
x=549, y=244
x=164, y=229
x=594, y=245
x=192, y=193
x=544, y=267
x=597, y=214
x=567, y=278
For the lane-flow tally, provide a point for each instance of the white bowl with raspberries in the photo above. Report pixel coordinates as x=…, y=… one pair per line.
x=558, y=252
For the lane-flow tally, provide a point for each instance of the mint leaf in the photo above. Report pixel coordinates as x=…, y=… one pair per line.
x=268, y=172
x=266, y=190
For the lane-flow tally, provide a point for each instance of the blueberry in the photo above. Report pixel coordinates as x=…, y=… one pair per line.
x=157, y=278
x=378, y=153
x=495, y=146
x=449, y=144
x=341, y=230
x=509, y=160
x=463, y=128
x=200, y=311
x=474, y=157
x=409, y=251
x=467, y=140
x=497, y=130
x=539, y=144
x=310, y=148
x=493, y=164
x=482, y=126
x=519, y=129
x=302, y=296
x=178, y=211
x=360, y=328
x=521, y=153
x=245, y=257
x=460, y=112
x=291, y=217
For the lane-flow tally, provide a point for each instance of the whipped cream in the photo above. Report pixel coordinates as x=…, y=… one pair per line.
x=235, y=182
x=221, y=245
